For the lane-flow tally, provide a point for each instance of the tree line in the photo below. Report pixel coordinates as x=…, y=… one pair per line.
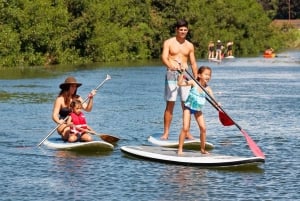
x=39, y=32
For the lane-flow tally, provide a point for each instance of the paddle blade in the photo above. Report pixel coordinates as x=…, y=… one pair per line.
x=253, y=146
x=225, y=119
x=109, y=138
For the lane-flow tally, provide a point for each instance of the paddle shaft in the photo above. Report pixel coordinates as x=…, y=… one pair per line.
x=253, y=146
x=65, y=119
x=105, y=137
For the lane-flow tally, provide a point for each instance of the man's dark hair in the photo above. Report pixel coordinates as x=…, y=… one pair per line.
x=181, y=23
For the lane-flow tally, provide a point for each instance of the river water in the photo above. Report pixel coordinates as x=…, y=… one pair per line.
x=261, y=95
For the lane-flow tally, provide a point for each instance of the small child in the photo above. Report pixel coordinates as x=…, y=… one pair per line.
x=193, y=105
x=79, y=129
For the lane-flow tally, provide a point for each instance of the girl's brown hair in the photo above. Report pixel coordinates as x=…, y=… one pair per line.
x=201, y=69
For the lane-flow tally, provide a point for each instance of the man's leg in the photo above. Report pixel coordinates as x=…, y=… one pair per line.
x=168, y=115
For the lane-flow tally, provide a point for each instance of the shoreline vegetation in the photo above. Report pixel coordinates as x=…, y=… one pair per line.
x=47, y=32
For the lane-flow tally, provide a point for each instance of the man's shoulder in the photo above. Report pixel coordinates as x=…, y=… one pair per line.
x=190, y=45
x=170, y=40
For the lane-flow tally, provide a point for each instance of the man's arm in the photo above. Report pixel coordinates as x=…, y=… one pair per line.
x=193, y=61
x=165, y=55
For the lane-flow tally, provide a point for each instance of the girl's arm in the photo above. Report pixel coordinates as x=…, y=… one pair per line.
x=183, y=82
x=210, y=92
x=90, y=129
x=69, y=121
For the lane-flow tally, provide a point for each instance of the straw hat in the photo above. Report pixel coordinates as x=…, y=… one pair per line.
x=69, y=81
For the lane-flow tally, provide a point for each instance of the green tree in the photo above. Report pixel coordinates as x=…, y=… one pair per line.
x=38, y=32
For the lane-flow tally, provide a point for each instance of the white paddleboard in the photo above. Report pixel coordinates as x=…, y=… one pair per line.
x=94, y=146
x=215, y=60
x=229, y=57
x=173, y=142
x=189, y=157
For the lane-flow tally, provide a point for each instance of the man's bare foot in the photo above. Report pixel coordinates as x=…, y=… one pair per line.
x=204, y=152
x=164, y=137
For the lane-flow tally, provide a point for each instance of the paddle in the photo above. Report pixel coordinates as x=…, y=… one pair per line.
x=65, y=119
x=105, y=137
x=108, y=138
x=226, y=120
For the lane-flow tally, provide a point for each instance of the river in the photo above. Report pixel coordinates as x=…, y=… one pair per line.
x=261, y=95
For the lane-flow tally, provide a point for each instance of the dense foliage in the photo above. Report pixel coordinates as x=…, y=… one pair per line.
x=38, y=32
x=282, y=9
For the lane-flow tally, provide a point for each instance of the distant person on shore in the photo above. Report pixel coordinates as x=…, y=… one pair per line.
x=219, y=48
x=211, y=50
x=229, y=48
x=175, y=55
x=194, y=104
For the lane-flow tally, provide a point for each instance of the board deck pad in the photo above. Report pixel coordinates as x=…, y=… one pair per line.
x=189, y=157
x=93, y=146
x=173, y=142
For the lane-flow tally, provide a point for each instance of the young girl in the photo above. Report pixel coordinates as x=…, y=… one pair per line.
x=194, y=104
x=77, y=122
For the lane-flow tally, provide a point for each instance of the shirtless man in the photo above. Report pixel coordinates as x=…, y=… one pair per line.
x=176, y=53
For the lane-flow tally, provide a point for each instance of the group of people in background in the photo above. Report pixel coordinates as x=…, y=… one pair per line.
x=218, y=51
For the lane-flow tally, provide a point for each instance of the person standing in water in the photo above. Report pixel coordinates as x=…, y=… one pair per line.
x=229, y=48
x=219, y=48
x=211, y=50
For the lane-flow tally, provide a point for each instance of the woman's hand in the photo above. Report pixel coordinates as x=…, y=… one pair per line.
x=92, y=93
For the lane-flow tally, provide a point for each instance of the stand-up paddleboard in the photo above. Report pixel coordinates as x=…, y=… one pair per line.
x=173, y=142
x=215, y=60
x=94, y=146
x=189, y=157
x=229, y=57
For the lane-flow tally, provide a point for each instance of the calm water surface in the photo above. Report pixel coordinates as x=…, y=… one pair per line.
x=262, y=95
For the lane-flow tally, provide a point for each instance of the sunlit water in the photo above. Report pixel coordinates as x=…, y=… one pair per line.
x=262, y=95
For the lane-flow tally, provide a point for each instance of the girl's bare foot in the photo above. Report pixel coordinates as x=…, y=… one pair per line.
x=164, y=137
x=180, y=153
x=189, y=137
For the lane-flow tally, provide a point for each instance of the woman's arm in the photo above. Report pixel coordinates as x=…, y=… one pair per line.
x=89, y=105
x=55, y=111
